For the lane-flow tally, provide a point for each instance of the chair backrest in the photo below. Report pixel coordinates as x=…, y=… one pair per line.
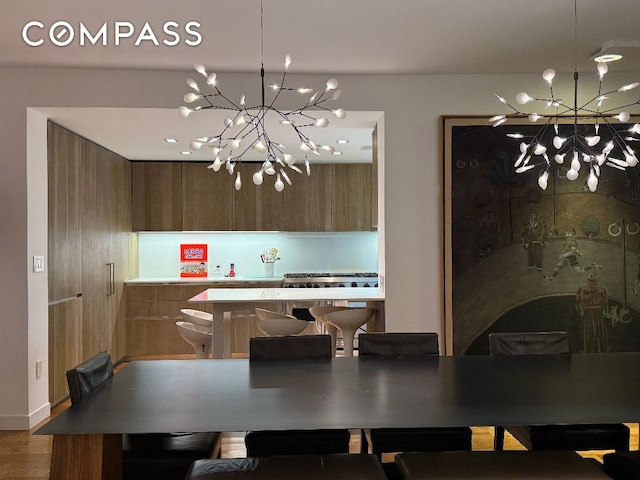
x=88, y=375
x=529, y=343
x=397, y=344
x=290, y=347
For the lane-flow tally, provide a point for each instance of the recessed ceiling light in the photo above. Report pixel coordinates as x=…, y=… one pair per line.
x=342, y=142
x=185, y=152
x=171, y=140
x=336, y=153
x=608, y=57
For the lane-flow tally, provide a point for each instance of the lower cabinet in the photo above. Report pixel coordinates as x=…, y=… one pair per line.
x=152, y=311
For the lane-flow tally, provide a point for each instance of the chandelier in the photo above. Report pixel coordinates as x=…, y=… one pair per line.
x=585, y=152
x=245, y=128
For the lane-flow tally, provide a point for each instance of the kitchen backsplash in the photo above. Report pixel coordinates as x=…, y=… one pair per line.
x=159, y=253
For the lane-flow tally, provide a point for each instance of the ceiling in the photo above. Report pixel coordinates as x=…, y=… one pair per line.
x=330, y=37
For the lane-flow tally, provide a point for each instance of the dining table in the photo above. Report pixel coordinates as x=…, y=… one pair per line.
x=230, y=395
x=224, y=300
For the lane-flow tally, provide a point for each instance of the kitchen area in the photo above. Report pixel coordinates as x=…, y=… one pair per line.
x=121, y=282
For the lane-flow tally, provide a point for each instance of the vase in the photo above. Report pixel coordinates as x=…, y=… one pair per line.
x=268, y=269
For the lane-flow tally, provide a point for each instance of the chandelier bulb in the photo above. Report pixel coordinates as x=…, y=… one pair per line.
x=332, y=84
x=549, y=75
x=190, y=97
x=217, y=163
x=558, y=142
x=572, y=174
x=307, y=166
x=268, y=168
x=623, y=117
x=258, y=178
x=287, y=61
x=200, y=69
x=211, y=79
x=631, y=159
x=336, y=95
x=321, y=122
x=523, y=147
x=543, y=180
x=340, y=113
x=235, y=144
x=238, y=183
x=603, y=68
x=289, y=159
x=540, y=149
x=575, y=164
x=534, y=117
x=559, y=158
x=193, y=84
x=195, y=145
x=184, y=111
x=260, y=146
x=523, y=98
x=592, y=181
x=631, y=86
x=279, y=184
x=593, y=141
x=285, y=176
x=636, y=128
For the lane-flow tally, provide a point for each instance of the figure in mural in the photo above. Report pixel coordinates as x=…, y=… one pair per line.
x=592, y=305
x=533, y=237
x=488, y=233
x=569, y=256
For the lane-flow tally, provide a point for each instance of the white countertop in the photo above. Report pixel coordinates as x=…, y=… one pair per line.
x=196, y=280
x=239, y=295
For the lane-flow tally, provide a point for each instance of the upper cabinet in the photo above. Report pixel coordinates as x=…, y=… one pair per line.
x=156, y=196
x=185, y=196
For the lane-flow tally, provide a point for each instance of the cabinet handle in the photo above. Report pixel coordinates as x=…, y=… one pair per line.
x=112, y=279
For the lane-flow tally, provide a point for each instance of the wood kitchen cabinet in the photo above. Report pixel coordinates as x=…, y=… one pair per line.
x=105, y=256
x=256, y=208
x=89, y=244
x=156, y=196
x=307, y=203
x=206, y=198
x=351, y=198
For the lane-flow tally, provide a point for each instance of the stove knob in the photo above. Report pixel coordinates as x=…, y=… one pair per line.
x=327, y=285
x=354, y=284
x=302, y=285
x=341, y=285
x=309, y=285
x=366, y=285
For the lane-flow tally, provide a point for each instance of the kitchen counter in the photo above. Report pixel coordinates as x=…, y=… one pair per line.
x=199, y=280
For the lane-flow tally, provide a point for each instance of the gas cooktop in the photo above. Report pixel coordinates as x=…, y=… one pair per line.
x=321, y=275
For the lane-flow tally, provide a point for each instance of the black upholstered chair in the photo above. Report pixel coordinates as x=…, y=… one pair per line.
x=162, y=456
x=290, y=467
x=293, y=442
x=385, y=440
x=509, y=465
x=622, y=465
x=553, y=437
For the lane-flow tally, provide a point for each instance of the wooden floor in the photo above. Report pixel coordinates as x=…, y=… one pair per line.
x=27, y=456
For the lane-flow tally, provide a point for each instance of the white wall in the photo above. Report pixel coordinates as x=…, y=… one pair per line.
x=413, y=229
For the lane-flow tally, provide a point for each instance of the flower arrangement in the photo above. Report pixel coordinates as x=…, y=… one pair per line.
x=269, y=255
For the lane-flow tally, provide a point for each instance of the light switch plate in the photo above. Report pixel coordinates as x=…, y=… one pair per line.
x=38, y=263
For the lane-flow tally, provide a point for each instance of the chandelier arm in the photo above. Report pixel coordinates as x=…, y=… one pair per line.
x=637, y=102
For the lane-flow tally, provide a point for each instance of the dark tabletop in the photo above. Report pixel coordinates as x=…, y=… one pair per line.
x=234, y=395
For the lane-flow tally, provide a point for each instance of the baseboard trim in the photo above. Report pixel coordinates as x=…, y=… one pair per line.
x=25, y=422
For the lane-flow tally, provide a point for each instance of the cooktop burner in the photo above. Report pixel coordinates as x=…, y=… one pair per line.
x=321, y=275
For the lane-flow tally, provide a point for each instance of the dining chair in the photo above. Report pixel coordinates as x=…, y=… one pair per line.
x=161, y=456
x=622, y=465
x=385, y=440
x=601, y=436
x=293, y=442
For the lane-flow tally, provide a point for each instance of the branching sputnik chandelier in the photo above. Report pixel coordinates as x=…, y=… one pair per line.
x=585, y=151
x=246, y=128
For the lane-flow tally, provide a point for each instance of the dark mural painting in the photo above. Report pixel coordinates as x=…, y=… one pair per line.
x=521, y=258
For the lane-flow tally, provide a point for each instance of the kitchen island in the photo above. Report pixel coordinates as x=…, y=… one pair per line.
x=223, y=300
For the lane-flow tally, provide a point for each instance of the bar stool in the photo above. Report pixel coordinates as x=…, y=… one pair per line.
x=348, y=320
x=274, y=324
x=319, y=312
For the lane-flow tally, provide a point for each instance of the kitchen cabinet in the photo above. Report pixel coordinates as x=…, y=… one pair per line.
x=206, y=198
x=152, y=311
x=351, y=199
x=89, y=247
x=307, y=203
x=256, y=208
x=156, y=196
x=105, y=256
x=185, y=196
